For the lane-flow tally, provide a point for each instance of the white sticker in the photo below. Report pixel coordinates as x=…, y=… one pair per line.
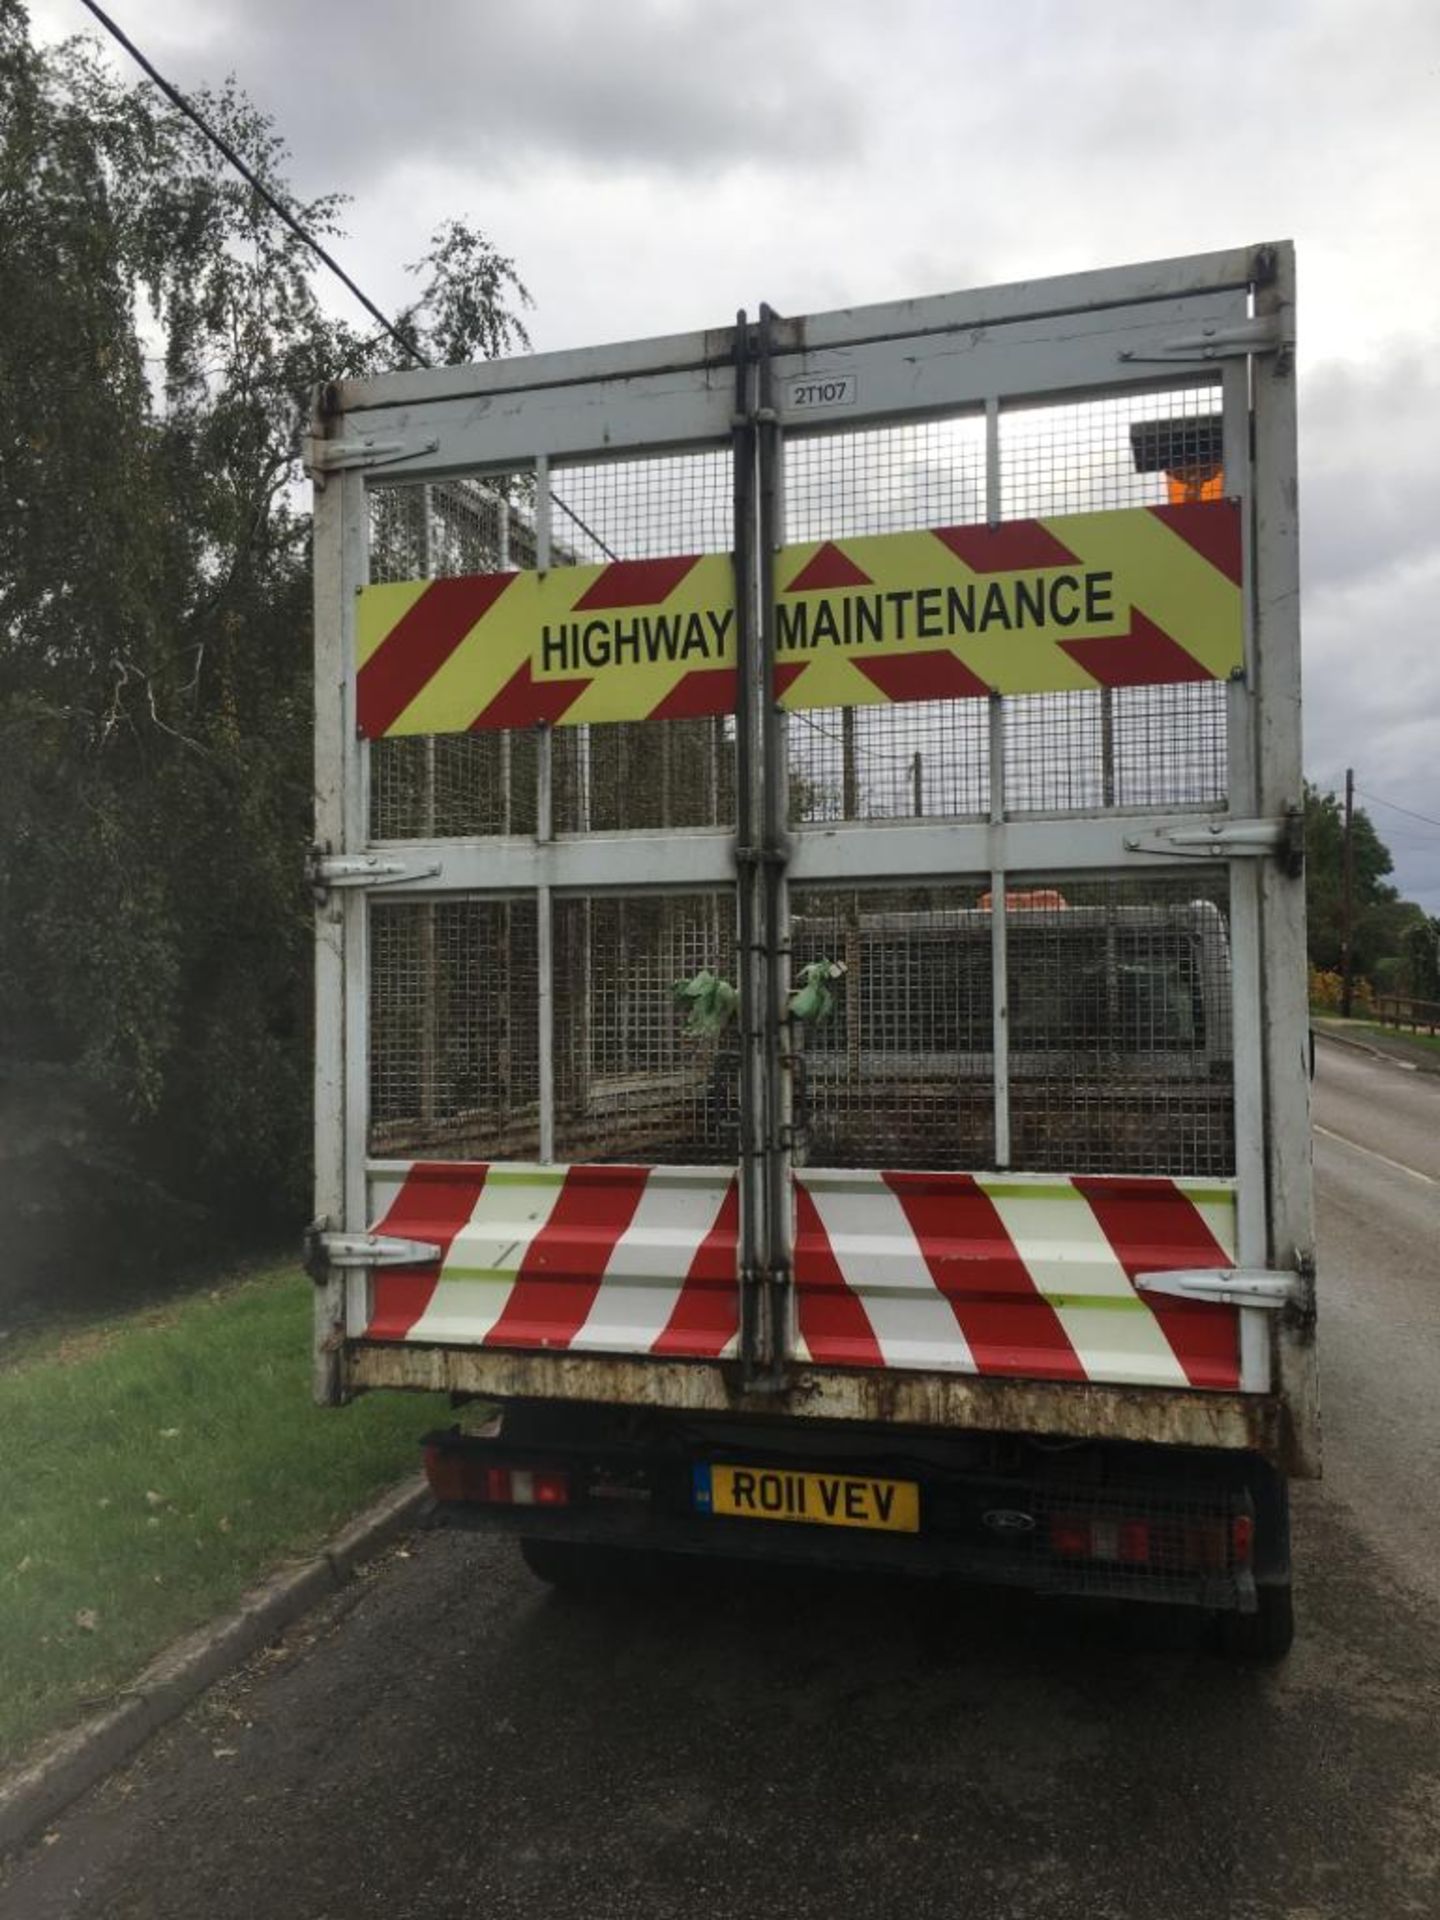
x=810, y=390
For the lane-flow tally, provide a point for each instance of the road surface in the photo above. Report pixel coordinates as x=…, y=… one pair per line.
x=450, y=1739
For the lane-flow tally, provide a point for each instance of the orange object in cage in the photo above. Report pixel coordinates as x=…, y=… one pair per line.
x=1044, y=899
x=1186, y=486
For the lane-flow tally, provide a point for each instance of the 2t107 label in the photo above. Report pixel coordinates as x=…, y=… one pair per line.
x=808, y=391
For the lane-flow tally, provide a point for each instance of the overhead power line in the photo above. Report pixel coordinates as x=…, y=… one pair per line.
x=282, y=212
x=247, y=173
x=1379, y=800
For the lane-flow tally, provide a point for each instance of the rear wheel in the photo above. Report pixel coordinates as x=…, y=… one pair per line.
x=1266, y=1634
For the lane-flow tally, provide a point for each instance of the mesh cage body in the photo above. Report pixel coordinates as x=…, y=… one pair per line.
x=1119, y=1049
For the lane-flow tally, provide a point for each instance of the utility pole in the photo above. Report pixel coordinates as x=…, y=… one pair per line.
x=1347, y=922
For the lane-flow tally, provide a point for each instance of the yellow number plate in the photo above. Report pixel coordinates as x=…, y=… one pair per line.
x=816, y=1499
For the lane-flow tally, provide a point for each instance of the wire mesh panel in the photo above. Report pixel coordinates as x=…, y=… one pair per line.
x=635, y=1078
x=654, y=773
x=1130, y=746
x=929, y=758
x=454, y=1059
x=1120, y=1047
x=436, y=530
x=1093, y=456
x=926, y=760
x=898, y=1073
x=1121, y=1052
x=925, y=473
x=452, y=785
x=645, y=509
x=659, y=773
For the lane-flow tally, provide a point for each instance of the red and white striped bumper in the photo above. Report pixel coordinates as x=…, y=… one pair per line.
x=1021, y=1275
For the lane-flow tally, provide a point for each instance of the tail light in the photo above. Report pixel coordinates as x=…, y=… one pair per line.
x=1126, y=1542
x=455, y=1475
x=1192, y=1546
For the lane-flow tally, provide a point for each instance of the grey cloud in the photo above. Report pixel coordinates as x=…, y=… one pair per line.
x=1370, y=645
x=653, y=85
x=1370, y=435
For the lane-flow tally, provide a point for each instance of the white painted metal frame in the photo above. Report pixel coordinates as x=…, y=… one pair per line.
x=341, y=538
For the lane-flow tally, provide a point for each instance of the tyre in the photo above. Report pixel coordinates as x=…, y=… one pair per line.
x=1266, y=1634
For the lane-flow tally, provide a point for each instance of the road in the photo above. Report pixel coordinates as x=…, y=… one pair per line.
x=450, y=1739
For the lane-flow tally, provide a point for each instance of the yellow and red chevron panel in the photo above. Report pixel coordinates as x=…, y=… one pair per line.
x=631, y=640
x=1142, y=596
x=1006, y=1275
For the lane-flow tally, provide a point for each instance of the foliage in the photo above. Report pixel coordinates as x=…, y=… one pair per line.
x=1420, y=960
x=1381, y=918
x=1326, y=988
x=162, y=331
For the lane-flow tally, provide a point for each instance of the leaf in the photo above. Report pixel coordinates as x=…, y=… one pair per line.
x=87, y=1619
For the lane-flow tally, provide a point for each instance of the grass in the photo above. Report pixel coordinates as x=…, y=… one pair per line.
x=151, y=1469
x=1430, y=1041
x=1407, y=1034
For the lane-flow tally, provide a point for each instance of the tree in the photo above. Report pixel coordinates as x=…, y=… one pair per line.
x=1420, y=960
x=1381, y=917
x=160, y=331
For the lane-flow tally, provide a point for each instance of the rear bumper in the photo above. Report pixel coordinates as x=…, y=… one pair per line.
x=948, y=1402
x=1209, y=1529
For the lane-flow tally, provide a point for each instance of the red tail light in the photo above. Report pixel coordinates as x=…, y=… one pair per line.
x=1123, y=1541
x=445, y=1471
x=1133, y=1543
x=1196, y=1546
x=455, y=1475
x=1070, y=1538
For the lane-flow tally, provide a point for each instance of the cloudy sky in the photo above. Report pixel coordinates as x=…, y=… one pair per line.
x=651, y=165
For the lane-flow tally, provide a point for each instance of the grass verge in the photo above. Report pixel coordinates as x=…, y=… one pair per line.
x=1373, y=1030
x=156, y=1466
x=1430, y=1041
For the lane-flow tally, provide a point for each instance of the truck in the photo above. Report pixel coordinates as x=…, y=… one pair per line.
x=811, y=1033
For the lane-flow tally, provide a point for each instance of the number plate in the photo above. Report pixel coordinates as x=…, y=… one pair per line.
x=813, y=1499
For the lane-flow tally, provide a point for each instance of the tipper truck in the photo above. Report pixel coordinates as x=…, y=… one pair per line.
x=811, y=1023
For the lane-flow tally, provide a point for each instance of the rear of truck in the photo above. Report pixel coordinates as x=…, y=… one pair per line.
x=810, y=981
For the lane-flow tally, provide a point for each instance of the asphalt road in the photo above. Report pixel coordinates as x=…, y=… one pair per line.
x=450, y=1739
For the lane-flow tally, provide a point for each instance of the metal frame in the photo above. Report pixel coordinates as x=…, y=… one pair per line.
x=1121, y=331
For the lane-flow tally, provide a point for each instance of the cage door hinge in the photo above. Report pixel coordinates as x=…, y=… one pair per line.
x=340, y=456
x=1229, y=1286
x=325, y=1251
x=1230, y=840
x=1264, y=333
x=326, y=871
